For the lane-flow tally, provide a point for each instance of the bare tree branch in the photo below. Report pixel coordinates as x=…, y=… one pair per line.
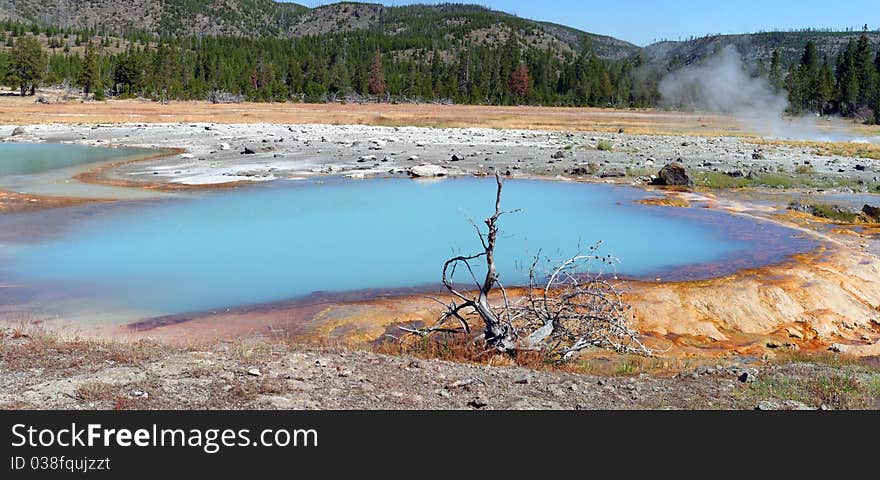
x=562, y=312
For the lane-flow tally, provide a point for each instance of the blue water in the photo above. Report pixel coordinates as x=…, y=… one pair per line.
x=35, y=158
x=289, y=240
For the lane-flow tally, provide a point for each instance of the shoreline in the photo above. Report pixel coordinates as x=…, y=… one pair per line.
x=354, y=142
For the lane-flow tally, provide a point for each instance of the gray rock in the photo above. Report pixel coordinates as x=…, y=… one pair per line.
x=248, y=151
x=613, y=174
x=18, y=131
x=457, y=158
x=767, y=405
x=871, y=212
x=746, y=377
x=558, y=155
x=795, y=405
x=427, y=170
x=673, y=174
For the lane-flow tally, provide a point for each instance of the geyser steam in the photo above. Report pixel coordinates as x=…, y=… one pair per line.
x=724, y=85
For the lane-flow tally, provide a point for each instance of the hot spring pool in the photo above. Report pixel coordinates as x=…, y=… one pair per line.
x=287, y=240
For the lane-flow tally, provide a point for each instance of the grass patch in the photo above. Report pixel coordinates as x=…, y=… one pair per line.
x=721, y=180
x=804, y=170
x=831, y=213
x=604, y=145
x=838, y=391
x=829, y=149
x=96, y=392
x=639, y=172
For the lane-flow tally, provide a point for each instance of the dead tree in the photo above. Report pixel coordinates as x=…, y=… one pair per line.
x=563, y=311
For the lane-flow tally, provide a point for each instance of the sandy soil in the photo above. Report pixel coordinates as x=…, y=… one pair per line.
x=39, y=371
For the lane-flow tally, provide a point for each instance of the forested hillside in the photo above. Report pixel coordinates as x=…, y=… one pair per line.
x=265, y=51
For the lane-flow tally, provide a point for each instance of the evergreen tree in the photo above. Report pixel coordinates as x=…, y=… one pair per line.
x=777, y=78
x=865, y=70
x=28, y=65
x=90, y=75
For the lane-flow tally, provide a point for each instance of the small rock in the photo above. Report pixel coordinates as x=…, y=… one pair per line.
x=457, y=158
x=477, y=403
x=248, y=151
x=427, y=170
x=225, y=146
x=525, y=379
x=795, y=405
x=367, y=158
x=767, y=405
x=746, y=377
x=558, y=155
x=18, y=131
x=255, y=372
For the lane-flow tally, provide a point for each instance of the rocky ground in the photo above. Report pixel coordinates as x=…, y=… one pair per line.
x=41, y=371
x=220, y=153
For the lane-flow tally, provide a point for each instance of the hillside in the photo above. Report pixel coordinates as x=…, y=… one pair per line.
x=254, y=18
x=756, y=47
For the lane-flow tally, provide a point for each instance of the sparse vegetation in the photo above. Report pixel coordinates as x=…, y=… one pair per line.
x=604, y=145
x=833, y=213
x=849, y=389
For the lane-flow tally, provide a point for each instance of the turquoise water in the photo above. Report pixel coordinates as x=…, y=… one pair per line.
x=290, y=240
x=49, y=168
x=35, y=158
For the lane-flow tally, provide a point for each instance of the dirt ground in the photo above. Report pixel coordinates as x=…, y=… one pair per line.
x=42, y=371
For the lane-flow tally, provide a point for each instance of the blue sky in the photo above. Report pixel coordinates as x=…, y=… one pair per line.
x=645, y=21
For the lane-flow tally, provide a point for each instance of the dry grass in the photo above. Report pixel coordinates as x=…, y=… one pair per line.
x=458, y=348
x=52, y=353
x=23, y=111
x=828, y=149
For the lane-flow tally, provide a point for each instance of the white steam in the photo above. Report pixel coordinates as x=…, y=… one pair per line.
x=724, y=85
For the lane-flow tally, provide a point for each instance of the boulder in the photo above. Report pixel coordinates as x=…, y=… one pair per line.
x=673, y=174
x=18, y=131
x=427, y=170
x=367, y=158
x=248, y=151
x=457, y=158
x=225, y=146
x=871, y=212
x=558, y=155
x=612, y=174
